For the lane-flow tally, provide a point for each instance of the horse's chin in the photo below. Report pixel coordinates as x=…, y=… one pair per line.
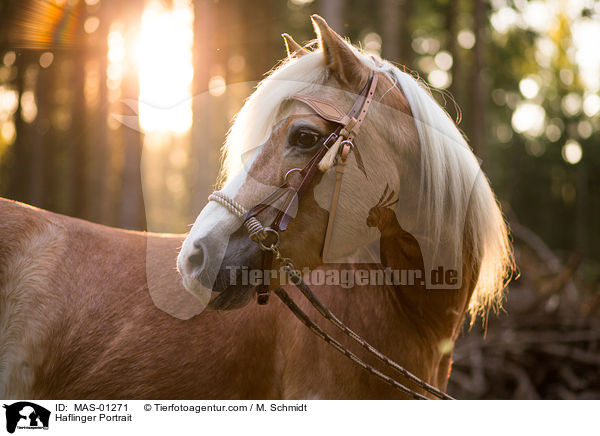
x=233, y=297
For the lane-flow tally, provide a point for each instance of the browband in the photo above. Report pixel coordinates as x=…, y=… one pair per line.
x=351, y=120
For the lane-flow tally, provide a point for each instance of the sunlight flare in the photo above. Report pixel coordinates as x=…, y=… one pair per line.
x=165, y=67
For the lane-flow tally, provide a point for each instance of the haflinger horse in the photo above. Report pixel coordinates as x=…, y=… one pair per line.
x=88, y=311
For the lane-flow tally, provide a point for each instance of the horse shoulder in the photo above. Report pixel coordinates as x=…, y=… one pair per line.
x=31, y=241
x=60, y=277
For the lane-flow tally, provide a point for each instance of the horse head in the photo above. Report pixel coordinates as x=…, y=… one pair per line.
x=406, y=139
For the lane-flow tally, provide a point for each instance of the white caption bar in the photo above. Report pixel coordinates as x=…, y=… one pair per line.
x=298, y=417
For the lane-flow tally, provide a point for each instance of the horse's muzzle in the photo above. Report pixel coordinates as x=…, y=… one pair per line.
x=230, y=280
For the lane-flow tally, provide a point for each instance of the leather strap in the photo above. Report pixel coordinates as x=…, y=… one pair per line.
x=262, y=292
x=351, y=120
x=324, y=108
x=307, y=173
x=346, y=132
x=340, y=170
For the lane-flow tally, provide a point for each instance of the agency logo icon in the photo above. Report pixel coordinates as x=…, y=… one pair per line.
x=26, y=415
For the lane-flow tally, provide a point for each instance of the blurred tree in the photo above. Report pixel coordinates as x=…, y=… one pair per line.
x=99, y=169
x=334, y=12
x=204, y=159
x=79, y=130
x=478, y=92
x=66, y=157
x=452, y=24
x=47, y=152
x=390, y=13
x=131, y=206
x=21, y=149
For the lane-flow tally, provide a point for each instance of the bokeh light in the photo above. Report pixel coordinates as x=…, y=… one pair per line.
x=443, y=60
x=529, y=87
x=8, y=132
x=372, y=43
x=504, y=19
x=537, y=15
x=9, y=58
x=591, y=105
x=572, y=152
x=46, y=59
x=566, y=76
x=28, y=106
x=8, y=102
x=571, y=104
x=466, y=39
x=553, y=132
x=91, y=24
x=440, y=79
x=504, y=133
x=585, y=129
x=586, y=34
x=217, y=86
x=529, y=118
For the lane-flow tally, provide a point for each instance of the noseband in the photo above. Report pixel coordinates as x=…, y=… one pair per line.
x=334, y=151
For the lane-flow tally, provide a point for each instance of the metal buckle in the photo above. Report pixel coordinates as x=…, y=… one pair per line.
x=331, y=135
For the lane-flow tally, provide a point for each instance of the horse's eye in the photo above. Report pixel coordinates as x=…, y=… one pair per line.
x=303, y=138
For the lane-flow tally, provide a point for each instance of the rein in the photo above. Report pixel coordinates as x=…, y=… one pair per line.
x=334, y=151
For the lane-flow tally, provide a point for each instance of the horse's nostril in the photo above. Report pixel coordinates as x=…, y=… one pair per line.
x=196, y=259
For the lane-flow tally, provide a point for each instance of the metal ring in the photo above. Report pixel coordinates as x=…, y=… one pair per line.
x=344, y=155
x=274, y=244
x=347, y=141
x=290, y=171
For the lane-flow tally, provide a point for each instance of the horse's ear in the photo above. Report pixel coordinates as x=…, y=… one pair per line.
x=339, y=57
x=292, y=47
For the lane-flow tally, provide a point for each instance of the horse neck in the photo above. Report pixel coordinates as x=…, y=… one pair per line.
x=408, y=323
x=381, y=316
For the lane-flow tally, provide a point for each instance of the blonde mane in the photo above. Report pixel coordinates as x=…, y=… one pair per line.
x=455, y=197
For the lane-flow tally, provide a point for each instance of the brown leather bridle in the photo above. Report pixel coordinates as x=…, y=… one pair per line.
x=342, y=137
x=339, y=143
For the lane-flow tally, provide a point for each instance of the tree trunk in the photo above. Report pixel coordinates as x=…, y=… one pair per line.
x=21, y=178
x=43, y=142
x=478, y=103
x=202, y=169
x=79, y=125
x=131, y=207
x=405, y=56
x=391, y=25
x=582, y=209
x=100, y=171
x=333, y=12
x=452, y=47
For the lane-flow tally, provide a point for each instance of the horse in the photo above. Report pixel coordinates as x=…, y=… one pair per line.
x=92, y=312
